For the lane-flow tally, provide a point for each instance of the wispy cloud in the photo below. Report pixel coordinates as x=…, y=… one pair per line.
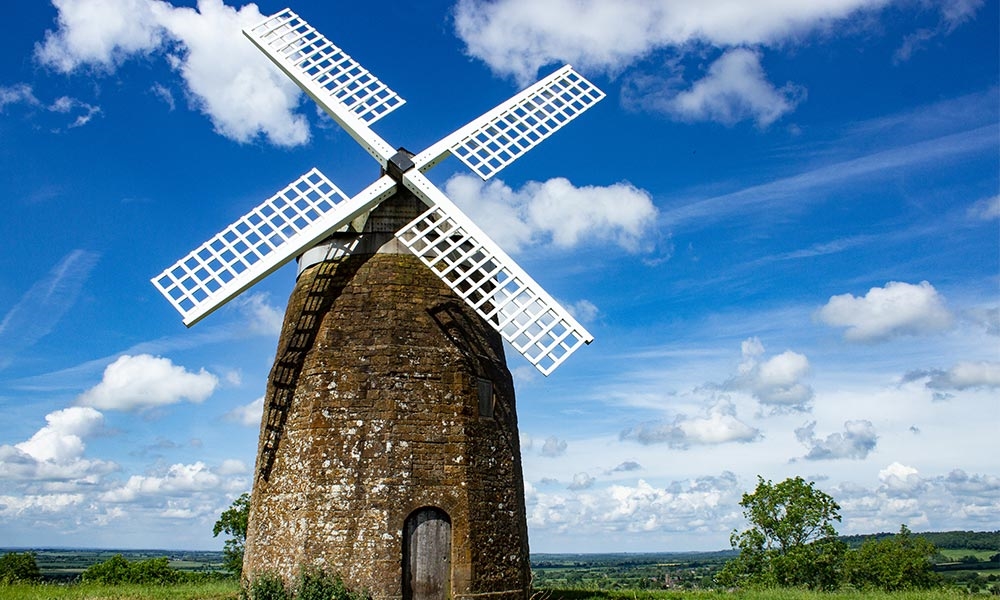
x=795, y=191
x=44, y=304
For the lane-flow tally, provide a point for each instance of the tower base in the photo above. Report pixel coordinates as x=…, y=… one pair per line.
x=389, y=450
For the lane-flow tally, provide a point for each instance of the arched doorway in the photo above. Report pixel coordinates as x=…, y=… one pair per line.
x=427, y=555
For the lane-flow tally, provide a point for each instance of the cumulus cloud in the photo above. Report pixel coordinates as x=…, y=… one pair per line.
x=517, y=37
x=856, y=442
x=718, y=425
x=692, y=505
x=629, y=465
x=249, y=415
x=581, y=481
x=144, y=381
x=556, y=212
x=775, y=382
x=226, y=78
x=179, y=480
x=39, y=310
x=902, y=495
x=553, y=447
x=962, y=376
x=55, y=453
x=887, y=312
x=735, y=88
x=900, y=479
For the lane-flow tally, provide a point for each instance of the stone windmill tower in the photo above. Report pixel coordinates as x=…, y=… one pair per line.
x=388, y=447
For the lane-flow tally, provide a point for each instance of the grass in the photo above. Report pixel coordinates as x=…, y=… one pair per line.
x=212, y=590
x=771, y=594
x=229, y=590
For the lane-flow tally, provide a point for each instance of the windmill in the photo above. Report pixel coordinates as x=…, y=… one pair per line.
x=388, y=448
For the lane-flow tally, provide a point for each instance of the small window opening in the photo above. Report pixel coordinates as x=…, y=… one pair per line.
x=485, y=398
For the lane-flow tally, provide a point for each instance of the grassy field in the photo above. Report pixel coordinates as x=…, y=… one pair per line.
x=230, y=591
x=776, y=594
x=215, y=590
x=960, y=553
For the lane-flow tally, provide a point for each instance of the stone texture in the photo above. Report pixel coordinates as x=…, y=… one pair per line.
x=372, y=412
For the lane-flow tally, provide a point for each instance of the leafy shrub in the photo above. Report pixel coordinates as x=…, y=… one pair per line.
x=266, y=586
x=902, y=562
x=19, y=567
x=118, y=570
x=315, y=584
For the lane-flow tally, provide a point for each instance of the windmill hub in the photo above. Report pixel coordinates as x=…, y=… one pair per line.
x=399, y=163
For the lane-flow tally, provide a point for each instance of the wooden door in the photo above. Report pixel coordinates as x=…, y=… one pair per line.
x=427, y=555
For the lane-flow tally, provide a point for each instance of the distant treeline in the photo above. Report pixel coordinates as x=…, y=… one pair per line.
x=965, y=540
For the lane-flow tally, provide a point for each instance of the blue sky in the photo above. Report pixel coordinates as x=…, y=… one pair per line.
x=781, y=226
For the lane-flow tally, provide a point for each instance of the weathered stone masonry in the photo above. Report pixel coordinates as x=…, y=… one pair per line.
x=374, y=410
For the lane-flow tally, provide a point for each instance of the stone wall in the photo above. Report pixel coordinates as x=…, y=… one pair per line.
x=373, y=411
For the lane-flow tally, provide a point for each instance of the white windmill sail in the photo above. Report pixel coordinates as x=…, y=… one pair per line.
x=489, y=281
x=443, y=238
x=497, y=138
x=347, y=91
x=261, y=241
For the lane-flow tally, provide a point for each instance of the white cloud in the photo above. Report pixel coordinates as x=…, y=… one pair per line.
x=986, y=209
x=734, y=89
x=62, y=438
x=178, y=481
x=699, y=504
x=962, y=376
x=856, y=442
x=775, y=382
x=18, y=506
x=883, y=313
x=143, y=381
x=556, y=212
x=102, y=33
x=55, y=452
x=261, y=316
x=517, y=37
x=553, y=447
x=248, y=415
x=583, y=310
x=226, y=78
x=581, y=481
x=953, y=14
x=900, y=479
x=719, y=425
x=20, y=93
x=231, y=466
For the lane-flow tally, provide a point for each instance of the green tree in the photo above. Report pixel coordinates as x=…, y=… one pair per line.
x=118, y=570
x=233, y=522
x=19, y=567
x=791, y=540
x=902, y=562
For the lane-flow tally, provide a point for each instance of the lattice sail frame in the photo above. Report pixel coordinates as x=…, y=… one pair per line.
x=489, y=281
x=287, y=35
x=444, y=238
x=261, y=241
x=520, y=127
x=343, y=88
x=494, y=140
